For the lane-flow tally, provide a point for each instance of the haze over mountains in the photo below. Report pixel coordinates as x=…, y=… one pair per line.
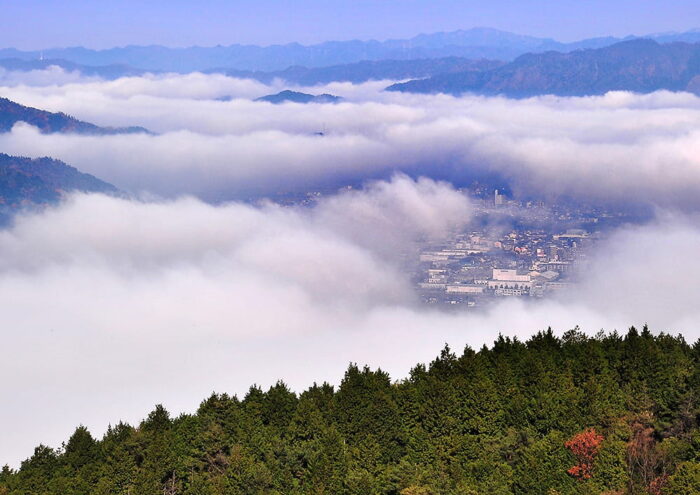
x=26, y=182
x=477, y=60
x=640, y=65
x=41, y=181
x=256, y=242
x=476, y=43
x=48, y=122
x=106, y=72
x=367, y=70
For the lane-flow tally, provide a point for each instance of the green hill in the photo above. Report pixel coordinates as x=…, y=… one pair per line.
x=48, y=122
x=26, y=182
x=572, y=415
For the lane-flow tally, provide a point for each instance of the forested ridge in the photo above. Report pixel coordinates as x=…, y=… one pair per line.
x=613, y=414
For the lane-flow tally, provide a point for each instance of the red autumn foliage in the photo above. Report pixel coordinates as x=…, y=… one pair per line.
x=585, y=447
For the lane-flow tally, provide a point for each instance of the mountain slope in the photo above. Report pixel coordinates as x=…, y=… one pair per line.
x=48, y=122
x=639, y=65
x=25, y=181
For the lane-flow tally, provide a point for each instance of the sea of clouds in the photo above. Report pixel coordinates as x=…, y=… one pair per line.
x=110, y=305
x=620, y=147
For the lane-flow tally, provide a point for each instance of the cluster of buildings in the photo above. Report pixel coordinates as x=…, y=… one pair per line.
x=512, y=249
x=523, y=250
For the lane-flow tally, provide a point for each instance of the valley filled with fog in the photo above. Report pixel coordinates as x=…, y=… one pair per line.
x=195, y=279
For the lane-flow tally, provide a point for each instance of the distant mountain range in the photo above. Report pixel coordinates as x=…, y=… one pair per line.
x=25, y=182
x=366, y=70
x=296, y=97
x=105, y=72
x=357, y=72
x=640, y=65
x=48, y=122
x=477, y=43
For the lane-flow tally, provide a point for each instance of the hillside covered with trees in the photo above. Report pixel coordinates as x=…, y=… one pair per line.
x=27, y=183
x=614, y=414
x=49, y=122
x=43, y=181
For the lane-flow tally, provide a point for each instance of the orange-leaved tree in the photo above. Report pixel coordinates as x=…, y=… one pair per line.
x=585, y=447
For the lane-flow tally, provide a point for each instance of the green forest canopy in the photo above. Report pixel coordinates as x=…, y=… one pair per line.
x=608, y=414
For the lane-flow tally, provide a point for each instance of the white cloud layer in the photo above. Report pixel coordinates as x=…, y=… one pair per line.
x=111, y=305
x=620, y=147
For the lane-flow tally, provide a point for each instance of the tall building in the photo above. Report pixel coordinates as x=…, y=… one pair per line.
x=498, y=199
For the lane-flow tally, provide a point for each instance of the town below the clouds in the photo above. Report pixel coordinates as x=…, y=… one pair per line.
x=512, y=248
x=524, y=249
x=251, y=219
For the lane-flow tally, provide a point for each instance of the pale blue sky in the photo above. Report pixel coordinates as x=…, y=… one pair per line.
x=33, y=24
